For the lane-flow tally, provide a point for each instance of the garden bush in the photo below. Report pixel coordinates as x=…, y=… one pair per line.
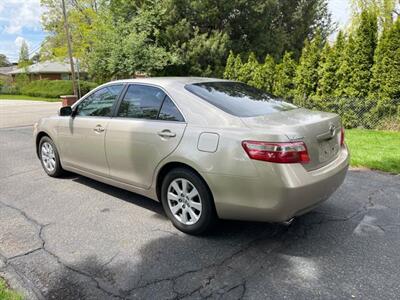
x=54, y=88
x=7, y=87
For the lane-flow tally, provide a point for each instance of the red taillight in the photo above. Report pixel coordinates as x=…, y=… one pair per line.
x=286, y=153
x=342, y=136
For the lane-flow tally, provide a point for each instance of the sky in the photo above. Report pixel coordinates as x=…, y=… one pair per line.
x=20, y=20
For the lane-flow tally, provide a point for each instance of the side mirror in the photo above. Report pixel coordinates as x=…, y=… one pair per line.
x=65, y=111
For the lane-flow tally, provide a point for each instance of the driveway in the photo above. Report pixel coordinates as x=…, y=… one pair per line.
x=15, y=113
x=74, y=238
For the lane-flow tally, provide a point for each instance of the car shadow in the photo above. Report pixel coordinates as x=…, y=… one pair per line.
x=121, y=194
x=223, y=227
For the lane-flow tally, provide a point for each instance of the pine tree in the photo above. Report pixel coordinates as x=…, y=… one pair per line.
x=238, y=67
x=327, y=73
x=23, y=60
x=384, y=97
x=248, y=69
x=343, y=73
x=284, y=77
x=319, y=100
x=364, y=48
x=264, y=75
x=307, y=72
x=354, y=74
x=229, y=72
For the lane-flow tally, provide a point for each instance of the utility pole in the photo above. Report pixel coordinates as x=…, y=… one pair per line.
x=71, y=59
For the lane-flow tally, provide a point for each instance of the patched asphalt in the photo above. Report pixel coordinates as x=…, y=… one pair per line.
x=75, y=238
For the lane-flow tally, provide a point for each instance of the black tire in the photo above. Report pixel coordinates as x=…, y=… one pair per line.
x=208, y=215
x=58, y=171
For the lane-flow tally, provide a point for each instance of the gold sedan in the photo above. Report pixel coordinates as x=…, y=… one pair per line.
x=206, y=148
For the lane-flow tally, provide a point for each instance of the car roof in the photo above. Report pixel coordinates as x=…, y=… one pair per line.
x=166, y=81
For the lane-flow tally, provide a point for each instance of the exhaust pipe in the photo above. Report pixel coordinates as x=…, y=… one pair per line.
x=288, y=222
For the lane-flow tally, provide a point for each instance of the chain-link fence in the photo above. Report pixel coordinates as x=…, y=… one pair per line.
x=381, y=114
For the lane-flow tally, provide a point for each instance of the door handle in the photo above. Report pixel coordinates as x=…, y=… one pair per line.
x=99, y=129
x=166, y=133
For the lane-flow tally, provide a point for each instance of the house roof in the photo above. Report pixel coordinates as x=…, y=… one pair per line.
x=7, y=70
x=46, y=67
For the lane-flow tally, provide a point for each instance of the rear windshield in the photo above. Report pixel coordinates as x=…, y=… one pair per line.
x=239, y=99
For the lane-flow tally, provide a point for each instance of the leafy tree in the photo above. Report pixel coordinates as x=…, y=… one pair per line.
x=203, y=55
x=306, y=79
x=4, y=62
x=383, y=9
x=197, y=33
x=121, y=49
x=83, y=16
x=252, y=26
x=284, y=77
x=308, y=18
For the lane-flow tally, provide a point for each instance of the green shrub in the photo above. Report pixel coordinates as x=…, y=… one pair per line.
x=20, y=81
x=7, y=87
x=54, y=88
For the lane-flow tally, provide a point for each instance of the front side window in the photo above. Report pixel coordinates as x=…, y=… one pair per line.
x=239, y=99
x=100, y=103
x=141, y=102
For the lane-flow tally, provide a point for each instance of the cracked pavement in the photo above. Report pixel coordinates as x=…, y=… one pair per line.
x=74, y=238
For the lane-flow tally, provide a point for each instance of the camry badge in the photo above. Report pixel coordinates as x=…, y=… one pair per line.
x=295, y=137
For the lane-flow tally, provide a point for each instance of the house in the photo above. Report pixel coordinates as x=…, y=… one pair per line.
x=4, y=73
x=51, y=70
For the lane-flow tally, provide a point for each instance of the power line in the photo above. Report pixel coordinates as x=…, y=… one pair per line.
x=16, y=56
x=35, y=49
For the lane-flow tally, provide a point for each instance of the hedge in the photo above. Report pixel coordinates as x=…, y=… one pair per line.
x=54, y=88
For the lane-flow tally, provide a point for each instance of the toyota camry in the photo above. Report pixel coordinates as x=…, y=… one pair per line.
x=205, y=148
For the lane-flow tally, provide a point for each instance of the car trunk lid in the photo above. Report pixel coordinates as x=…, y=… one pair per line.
x=320, y=131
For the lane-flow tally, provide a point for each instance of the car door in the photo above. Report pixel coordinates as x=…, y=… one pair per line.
x=82, y=135
x=147, y=127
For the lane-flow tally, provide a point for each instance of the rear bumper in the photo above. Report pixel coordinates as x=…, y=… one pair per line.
x=279, y=192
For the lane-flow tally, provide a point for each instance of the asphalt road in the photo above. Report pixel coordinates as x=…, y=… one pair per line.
x=74, y=238
x=15, y=113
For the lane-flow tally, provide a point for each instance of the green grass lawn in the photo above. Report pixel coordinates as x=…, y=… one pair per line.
x=23, y=97
x=378, y=150
x=6, y=293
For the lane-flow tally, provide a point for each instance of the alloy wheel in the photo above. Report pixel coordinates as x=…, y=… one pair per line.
x=48, y=156
x=184, y=201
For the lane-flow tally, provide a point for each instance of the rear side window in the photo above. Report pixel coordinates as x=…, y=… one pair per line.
x=141, y=102
x=169, y=112
x=100, y=103
x=238, y=99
